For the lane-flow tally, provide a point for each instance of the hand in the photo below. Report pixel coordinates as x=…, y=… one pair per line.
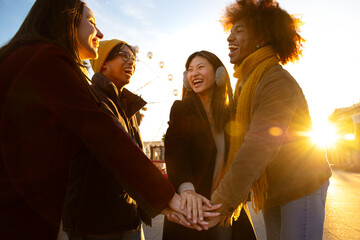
x=175, y=202
x=179, y=218
x=175, y=214
x=211, y=218
x=194, y=203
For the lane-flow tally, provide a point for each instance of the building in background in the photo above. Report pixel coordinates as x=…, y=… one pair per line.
x=345, y=153
x=155, y=150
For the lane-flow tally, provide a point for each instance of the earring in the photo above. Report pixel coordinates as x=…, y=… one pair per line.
x=220, y=76
x=186, y=82
x=257, y=46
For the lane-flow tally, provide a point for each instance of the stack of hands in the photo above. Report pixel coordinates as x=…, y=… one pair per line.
x=192, y=210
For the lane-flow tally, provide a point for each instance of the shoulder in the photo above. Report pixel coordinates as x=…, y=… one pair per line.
x=48, y=58
x=184, y=107
x=279, y=80
x=179, y=111
x=47, y=50
x=278, y=75
x=38, y=54
x=178, y=105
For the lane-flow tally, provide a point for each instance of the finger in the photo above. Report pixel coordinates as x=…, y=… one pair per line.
x=183, y=200
x=172, y=218
x=206, y=201
x=204, y=226
x=203, y=223
x=189, y=208
x=176, y=217
x=200, y=210
x=184, y=221
x=212, y=208
x=197, y=227
x=195, y=210
x=185, y=224
x=211, y=214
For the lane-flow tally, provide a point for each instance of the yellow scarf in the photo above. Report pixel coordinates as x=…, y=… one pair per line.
x=249, y=72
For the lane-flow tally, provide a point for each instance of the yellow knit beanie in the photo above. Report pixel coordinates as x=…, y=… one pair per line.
x=105, y=48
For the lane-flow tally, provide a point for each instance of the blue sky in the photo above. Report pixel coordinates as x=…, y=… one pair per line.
x=172, y=30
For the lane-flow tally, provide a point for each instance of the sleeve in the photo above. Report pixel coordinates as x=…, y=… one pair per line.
x=268, y=129
x=177, y=146
x=186, y=186
x=62, y=91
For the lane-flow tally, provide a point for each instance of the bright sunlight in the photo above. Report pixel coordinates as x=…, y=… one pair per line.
x=324, y=134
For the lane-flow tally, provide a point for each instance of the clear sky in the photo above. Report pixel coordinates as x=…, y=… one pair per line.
x=328, y=72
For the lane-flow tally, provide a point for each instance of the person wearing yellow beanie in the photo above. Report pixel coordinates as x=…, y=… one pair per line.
x=104, y=49
x=110, y=211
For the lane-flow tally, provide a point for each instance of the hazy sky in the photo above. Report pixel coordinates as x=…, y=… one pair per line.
x=328, y=72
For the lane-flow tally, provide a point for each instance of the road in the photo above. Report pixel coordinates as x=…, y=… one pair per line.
x=342, y=220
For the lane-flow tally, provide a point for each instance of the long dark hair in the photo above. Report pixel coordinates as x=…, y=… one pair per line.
x=52, y=21
x=222, y=103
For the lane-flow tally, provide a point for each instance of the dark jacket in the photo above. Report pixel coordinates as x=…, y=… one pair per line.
x=96, y=204
x=190, y=153
x=47, y=118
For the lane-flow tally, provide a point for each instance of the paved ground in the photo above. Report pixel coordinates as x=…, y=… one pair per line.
x=342, y=221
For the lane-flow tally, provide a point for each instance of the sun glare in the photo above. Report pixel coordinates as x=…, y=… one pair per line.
x=324, y=135
x=349, y=137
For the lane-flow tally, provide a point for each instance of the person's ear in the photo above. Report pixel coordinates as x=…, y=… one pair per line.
x=260, y=43
x=104, y=67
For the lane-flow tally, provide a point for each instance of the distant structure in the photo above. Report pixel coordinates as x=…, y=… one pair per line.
x=155, y=150
x=346, y=152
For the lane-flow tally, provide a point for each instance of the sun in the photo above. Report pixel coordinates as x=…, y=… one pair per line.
x=324, y=134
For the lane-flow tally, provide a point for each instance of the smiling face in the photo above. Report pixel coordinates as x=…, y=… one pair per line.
x=88, y=35
x=201, y=76
x=120, y=69
x=242, y=42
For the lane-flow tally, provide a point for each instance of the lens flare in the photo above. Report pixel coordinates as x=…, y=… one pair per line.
x=324, y=135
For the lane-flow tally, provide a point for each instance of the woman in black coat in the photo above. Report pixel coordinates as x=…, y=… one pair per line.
x=196, y=144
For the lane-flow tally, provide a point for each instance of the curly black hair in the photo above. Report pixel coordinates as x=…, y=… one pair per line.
x=277, y=27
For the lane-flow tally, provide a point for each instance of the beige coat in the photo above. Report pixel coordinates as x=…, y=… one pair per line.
x=278, y=143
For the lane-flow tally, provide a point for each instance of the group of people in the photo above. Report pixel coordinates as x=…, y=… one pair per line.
x=71, y=150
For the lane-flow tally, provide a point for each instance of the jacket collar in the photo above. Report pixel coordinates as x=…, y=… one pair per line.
x=133, y=102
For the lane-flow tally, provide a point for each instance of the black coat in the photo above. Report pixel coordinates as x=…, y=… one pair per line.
x=190, y=155
x=96, y=204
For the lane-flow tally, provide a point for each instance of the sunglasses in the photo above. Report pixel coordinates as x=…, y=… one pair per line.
x=126, y=56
